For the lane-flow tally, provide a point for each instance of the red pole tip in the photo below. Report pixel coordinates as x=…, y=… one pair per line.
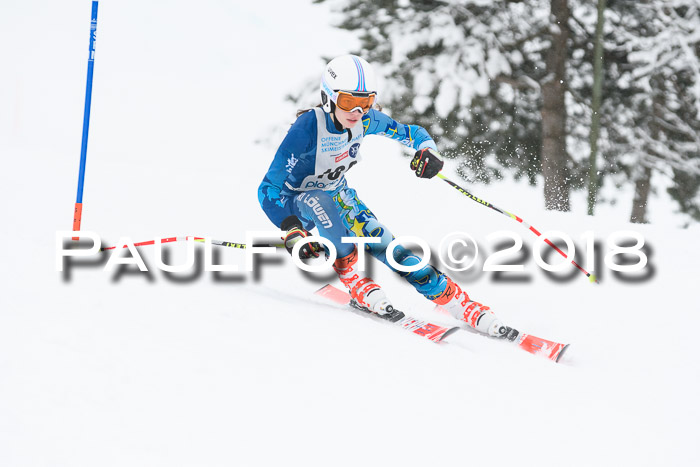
x=77, y=217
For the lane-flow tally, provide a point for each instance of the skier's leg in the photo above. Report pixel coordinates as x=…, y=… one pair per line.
x=429, y=281
x=317, y=207
x=443, y=291
x=361, y=222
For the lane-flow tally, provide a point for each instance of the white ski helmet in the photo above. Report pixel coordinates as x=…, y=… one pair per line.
x=350, y=74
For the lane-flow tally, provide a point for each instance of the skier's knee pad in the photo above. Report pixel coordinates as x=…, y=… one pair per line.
x=427, y=280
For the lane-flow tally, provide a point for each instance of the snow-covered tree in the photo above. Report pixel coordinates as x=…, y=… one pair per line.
x=654, y=117
x=506, y=85
x=487, y=78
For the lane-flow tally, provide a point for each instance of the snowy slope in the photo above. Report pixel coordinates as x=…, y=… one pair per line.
x=107, y=368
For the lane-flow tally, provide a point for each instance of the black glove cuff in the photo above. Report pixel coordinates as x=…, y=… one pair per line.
x=290, y=222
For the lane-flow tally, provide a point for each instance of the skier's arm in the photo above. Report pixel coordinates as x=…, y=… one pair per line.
x=289, y=161
x=413, y=136
x=427, y=161
x=273, y=202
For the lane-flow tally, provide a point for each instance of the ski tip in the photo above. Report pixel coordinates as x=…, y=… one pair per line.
x=448, y=333
x=320, y=291
x=561, y=353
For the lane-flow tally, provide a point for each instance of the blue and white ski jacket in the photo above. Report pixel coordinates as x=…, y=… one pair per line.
x=315, y=155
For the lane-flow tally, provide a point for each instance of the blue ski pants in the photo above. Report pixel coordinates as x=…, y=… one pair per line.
x=340, y=213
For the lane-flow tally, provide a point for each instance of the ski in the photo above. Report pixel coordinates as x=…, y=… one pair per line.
x=529, y=343
x=425, y=329
x=535, y=345
x=538, y=346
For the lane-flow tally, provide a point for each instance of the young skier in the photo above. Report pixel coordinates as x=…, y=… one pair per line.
x=305, y=187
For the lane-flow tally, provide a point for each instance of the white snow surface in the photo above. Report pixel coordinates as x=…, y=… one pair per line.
x=141, y=369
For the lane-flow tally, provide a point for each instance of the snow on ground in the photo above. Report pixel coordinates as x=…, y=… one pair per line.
x=127, y=368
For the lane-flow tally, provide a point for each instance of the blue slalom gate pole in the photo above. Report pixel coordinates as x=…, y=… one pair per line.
x=78, y=213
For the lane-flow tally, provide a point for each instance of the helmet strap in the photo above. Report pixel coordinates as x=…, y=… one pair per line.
x=337, y=124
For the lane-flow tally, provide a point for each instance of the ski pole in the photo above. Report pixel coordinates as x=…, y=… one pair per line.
x=78, y=211
x=196, y=239
x=590, y=276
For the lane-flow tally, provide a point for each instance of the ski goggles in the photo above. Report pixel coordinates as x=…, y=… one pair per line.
x=349, y=101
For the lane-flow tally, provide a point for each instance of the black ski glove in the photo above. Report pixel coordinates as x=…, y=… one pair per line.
x=427, y=163
x=295, y=233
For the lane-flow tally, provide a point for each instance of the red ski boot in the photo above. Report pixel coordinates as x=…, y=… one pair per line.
x=364, y=291
x=478, y=316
